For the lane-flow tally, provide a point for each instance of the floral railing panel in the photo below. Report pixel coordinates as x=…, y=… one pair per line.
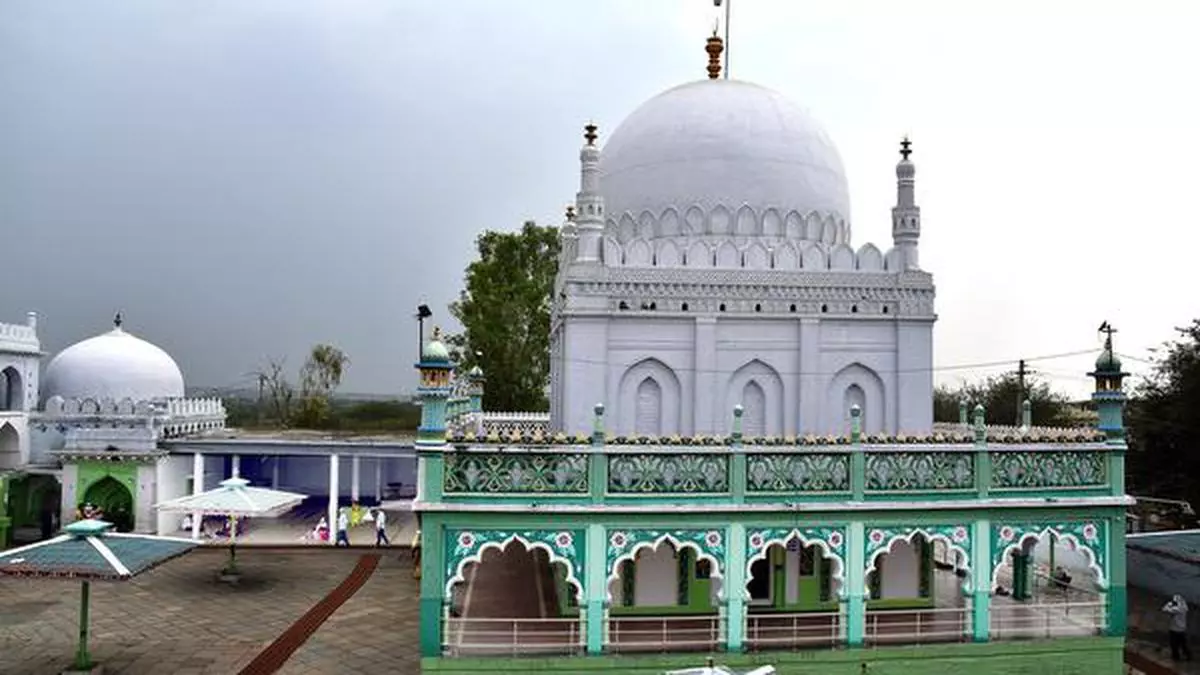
x=798, y=472
x=661, y=473
x=896, y=471
x=1016, y=469
x=549, y=473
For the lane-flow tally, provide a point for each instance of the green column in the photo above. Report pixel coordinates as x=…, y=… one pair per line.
x=433, y=584
x=735, y=599
x=856, y=610
x=737, y=467
x=981, y=580
x=83, y=660
x=1115, y=597
x=858, y=461
x=432, y=474
x=1116, y=468
x=596, y=564
x=597, y=475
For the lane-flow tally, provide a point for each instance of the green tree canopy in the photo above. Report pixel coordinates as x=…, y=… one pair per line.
x=1000, y=398
x=505, y=313
x=1164, y=423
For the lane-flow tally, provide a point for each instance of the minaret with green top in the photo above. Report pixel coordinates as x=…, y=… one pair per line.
x=1109, y=396
x=433, y=390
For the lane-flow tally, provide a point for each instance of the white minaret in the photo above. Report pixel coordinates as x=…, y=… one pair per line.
x=906, y=216
x=569, y=237
x=589, y=205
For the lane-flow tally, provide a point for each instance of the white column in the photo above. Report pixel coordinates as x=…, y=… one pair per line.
x=333, y=496
x=236, y=466
x=378, y=480
x=275, y=472
x=197, y=488
x=355, y=474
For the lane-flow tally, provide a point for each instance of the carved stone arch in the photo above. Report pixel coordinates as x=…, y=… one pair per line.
x=565, y=547
x=813, y=258
x=693, y=221
x=12, y=389
x=614, y=254
x=771, y=384
x=786, y=257
x=812, y=226
x=89, y=406
x=747, y=222
x=720, y=221
x=647, y=227
x=699, y=255
x=54, y=405
x=668, y=224
x=10, y=447
x=828, y=231
x=841, y=259
x=626, y=229
x=638, y=253
x=669, y=390
x=874, y=410
x=772, y=224
x=879, y=540
x=891, y=261
x=624, y=545
x=667, y=254
x=1088, y=536
x=756, y=257
x=794, y=226
x=728, y=256
x=830, y=540
x=870, y=259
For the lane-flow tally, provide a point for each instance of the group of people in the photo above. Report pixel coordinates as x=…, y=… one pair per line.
x=348, y=517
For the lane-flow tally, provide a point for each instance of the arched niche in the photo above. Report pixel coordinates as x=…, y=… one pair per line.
x=794, y=226
x=1087, y=536
x=747, y=222
x=870, y=259
x=614, y=255
x=669, y=391
x=768, y=381
x=647, y=408
x=626, y=229
x=873, y=405
x=880, y=540
x=12, y=389
x=637, y=253
x=728, y=256
x=693, y=221
x=756, y=257
x=842, y=258
x=720, y=221
x=830, y=540
x=708, y=545
x=772, y=224
x=787, y=257
x=468, y=546
x=10, y=447
x=669, y=225
x=667, y=254
x=699, y=255
x=813, y=258
x=647, y=225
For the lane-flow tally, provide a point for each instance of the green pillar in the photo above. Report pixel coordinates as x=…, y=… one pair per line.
x=983, y=460
x=1115, y=597
x=596, y=584
x=1116, y=468
x=856, y=610
x=981, y=580
x=735, y=599
x=737, y=467
x=598, y=460
x=83, y=660
x=858, y=461
x=433, y=584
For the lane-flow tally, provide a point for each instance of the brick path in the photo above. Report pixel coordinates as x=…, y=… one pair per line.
x=178, y=619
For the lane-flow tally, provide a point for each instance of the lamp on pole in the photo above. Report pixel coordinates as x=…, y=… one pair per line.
x=423, y=312
x=717, y=3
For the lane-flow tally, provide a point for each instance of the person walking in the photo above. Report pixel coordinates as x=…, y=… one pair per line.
x=1178, y=610
x=381, y=537
x=343, y=524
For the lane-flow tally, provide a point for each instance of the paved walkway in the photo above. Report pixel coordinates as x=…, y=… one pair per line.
x=178, y=619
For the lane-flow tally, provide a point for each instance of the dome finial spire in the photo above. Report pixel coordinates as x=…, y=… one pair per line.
x=117, y=320
x=589, y=133
x=714, y=46
x=905, y=147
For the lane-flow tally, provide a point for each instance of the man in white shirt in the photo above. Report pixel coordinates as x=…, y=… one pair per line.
x=1177, y=608
x=381, y=537
x=343, y=526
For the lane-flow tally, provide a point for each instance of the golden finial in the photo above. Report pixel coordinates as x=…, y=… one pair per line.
x=571, y=212
x=589, y=133
x=714, y=47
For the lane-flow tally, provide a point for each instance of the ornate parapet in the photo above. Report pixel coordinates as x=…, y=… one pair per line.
x=171, y=417
x=504, y=424
x=20, y=338
x=137, y=444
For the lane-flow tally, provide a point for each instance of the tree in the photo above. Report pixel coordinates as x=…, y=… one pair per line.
x=1000, y=396
x=279, y=391
x=1164, y=428
x=319, y=376
x=505, y=313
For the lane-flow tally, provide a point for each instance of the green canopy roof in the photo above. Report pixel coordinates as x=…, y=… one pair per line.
x=87, y=550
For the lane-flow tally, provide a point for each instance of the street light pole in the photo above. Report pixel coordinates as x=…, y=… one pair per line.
x=423, y=312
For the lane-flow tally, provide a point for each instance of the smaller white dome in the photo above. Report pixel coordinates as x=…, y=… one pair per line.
x=116, y=365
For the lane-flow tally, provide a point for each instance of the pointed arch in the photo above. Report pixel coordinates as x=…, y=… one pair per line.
x=465, y=546
x=667, y=254
x=768, y=381
x=699, y=255
x=787, y=257
x=720, y=222
x=10, y=447
x=794, y=226
x=626, y=229
x=747, y=222
x=812, y=227
x=693, y=221
x=756, y=257
x=772, y=224
x=870, y=259
x=12, y=389
x=637, y=253
x=754, y=410
x=842, y=258
x=630, y=388
x=829, y=231
x=873, y=405
x=648, y=408
x=854, y=396
x=728, y=256
x=669, y=225
x=647, y=225
x=634, y=541
x=614, y=255
x=1086, y=537
x=813, y=258
x=893, y=261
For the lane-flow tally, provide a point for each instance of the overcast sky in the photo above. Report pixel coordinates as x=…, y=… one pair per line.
x=245, y=178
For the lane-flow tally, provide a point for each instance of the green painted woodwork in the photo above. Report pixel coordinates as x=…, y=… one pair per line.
x=628, y=571
x=693, y=594
x=660, y=472
x=112, y=486
x=816, y=472
x=1116, y=594
x=533, y=473
x=738, y=468
x=981, y=578
x=1065, y=656
x=433, y=583
x=919, y=471
x=856, y=566
x=1116, y=467
x=1039, y=470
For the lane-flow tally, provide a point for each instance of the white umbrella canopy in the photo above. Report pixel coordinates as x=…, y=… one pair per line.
x=235, y=497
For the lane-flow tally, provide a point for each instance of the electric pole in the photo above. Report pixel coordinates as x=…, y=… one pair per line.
x=1021, y=372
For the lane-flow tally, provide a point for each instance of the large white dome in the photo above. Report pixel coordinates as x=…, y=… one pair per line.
x=116, y=365
x=719, y=146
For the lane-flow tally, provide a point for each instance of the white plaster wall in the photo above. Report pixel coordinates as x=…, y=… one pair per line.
x=901, y=572
x=43, y=442
x=145, y=517
x=655, y=580
x=70, y=491
x=791, y=569
x=172, y=474
x=19, y=423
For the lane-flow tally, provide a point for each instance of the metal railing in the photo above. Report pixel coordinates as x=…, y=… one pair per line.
x=917, y=626
x=513, y=637
x=793, y=631
x=663, y=634
x=1018, y=621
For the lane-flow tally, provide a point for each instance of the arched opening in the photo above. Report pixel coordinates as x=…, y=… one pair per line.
x=648, y=415
x=754, y=410
x=111, y=501
x=513, y=598
x=34, y=505
x=664, y=597
x=12, y=390
x=915, y=591
x=10, y=447
x=855, y=396
x=1046, y=586
x=793, y=591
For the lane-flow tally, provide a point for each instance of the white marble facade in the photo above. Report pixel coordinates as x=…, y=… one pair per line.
x=708, y=263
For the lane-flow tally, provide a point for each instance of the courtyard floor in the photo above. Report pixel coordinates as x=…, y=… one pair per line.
x=179, y=619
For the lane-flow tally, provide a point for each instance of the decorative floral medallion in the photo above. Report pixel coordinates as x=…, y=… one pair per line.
x=709, y=542
x=880, y=539
x=1088, y=535
x=468, y=545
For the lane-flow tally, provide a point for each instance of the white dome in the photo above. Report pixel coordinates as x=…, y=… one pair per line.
x=115, y=365
x=723, y=143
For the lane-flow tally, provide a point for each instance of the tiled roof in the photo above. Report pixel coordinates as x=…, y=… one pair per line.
x=93, y=556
